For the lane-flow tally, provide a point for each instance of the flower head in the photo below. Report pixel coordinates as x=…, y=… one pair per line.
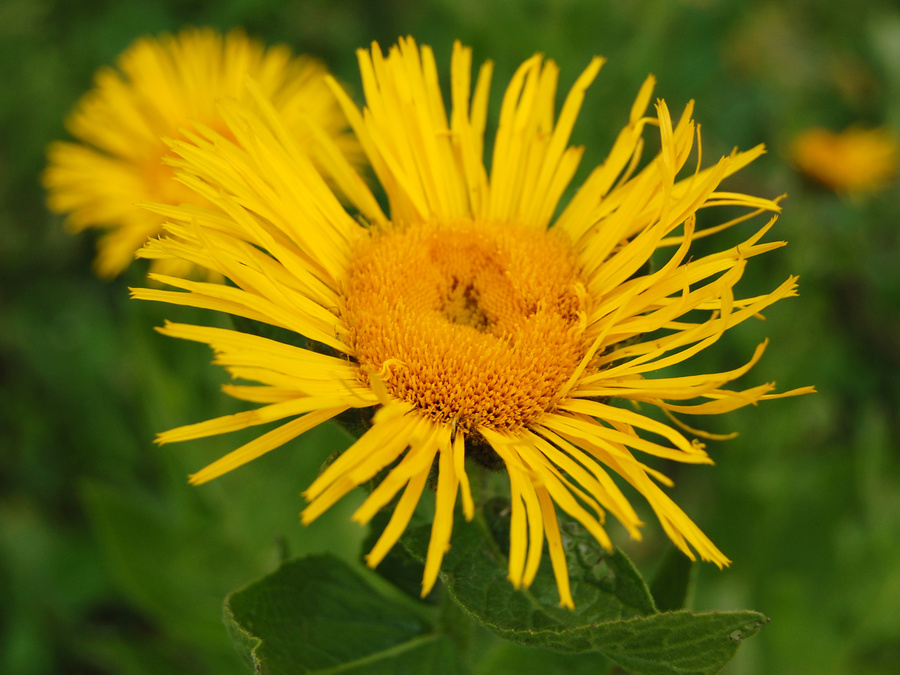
x=162, y=88
x=853, y=161
x=469, y=324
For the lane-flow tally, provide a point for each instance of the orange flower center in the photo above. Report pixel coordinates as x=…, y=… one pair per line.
x=473, y=324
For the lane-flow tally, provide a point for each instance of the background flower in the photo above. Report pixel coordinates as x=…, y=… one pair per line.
x=162, y=88
x=855, y=160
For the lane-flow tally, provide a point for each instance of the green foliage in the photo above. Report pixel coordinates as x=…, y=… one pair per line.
x=806, y=501
x=317, y=615
x=672, y=581
x=137, y=534
x=614, y=612
x=474, y=570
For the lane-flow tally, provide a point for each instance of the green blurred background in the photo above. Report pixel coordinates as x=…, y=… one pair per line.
x=111, y=563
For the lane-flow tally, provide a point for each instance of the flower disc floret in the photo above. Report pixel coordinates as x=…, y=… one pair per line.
x=472, y=325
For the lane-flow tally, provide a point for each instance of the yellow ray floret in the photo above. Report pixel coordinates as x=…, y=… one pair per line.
x=477, y=330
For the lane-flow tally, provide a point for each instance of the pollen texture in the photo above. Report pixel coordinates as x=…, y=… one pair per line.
x=472, y=325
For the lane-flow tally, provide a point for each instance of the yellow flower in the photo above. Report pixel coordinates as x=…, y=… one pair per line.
x=472, y=327
x=162, y=88
x=853, y=161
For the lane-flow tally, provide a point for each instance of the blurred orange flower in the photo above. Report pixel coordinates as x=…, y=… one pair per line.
x=853, y=161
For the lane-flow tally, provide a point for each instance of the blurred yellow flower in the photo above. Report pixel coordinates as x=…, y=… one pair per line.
x=473, y=328
x=855, y=160
x=163, y=88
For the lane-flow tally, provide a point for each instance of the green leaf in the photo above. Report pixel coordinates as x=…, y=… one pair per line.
x=318, y=615
x=614, y=611
x=398, y=567
x=672, y=581
x=605, y=587
x=669, y=642
x=509, y=658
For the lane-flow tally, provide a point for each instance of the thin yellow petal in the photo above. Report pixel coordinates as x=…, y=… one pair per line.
x=554, y=544
x=416, y=462
x=445, y=501
x=263, y=444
